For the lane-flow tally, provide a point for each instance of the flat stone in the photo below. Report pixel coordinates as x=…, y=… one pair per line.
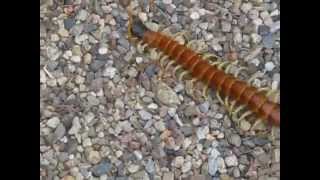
x=53, y=122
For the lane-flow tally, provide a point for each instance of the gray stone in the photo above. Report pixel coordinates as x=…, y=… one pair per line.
x=263, y=30
x=187, y=131
x=59, y=132
x=268, y=41
x=202, y=132
x=235, y=140
x=82, y=15
x=150, y=166
x=92, y=100
x=53, y=52
x=145, y=115
x=231, y=161
x=69, y=23
x=96, y=65
x=225, y=26
x=212, y=165
x=76, y=126
x=204, y=107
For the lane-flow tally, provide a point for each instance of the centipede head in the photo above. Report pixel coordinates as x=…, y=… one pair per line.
x=136, y=28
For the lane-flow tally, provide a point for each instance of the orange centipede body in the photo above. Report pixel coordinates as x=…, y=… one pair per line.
x=215, y=78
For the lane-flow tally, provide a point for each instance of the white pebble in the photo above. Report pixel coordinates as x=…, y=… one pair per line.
x=139, y=60
x=255, y=61
x=153, y=106
x=194, y=15
x=53, y=122
x=43, y=77
x=231, y=161
x=171, y=111
x=202, y=12
x=109, y=72
x=103, y=50
x=269, y=66
x=76, y=59
x=186, y=143
x=87, y=142
x=119, y=154
x=138, y=155
x=275, y=13
x=246, y=7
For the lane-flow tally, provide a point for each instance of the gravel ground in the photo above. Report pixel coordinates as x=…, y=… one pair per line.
x=105, y=117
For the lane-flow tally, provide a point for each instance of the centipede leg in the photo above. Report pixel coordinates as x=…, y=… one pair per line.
x=169, y=64
x=219, y=97
x=181, y=76
x=178, y=67
x=163, y=59
x=257, y=125
x=205, y=91
x=253, y=77
x=210, y=56
x=141, y=47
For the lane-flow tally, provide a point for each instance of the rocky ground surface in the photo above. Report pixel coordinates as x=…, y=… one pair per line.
x=105, y=114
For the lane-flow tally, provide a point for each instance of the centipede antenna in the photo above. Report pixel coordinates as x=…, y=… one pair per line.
x=129, y=10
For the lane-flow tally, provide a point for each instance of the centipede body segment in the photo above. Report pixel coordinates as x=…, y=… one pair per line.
x=200, y=69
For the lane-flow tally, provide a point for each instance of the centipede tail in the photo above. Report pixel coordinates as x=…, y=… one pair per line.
x=200, y=69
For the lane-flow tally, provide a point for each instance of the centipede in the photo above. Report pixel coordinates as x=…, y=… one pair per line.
x=238, y=94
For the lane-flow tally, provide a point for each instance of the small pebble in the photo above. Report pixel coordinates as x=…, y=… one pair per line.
x=246, y=7
x=53, y=122
x=76, y=59
x=178, y=161
x=231, y=161
x=194, y=15
x=103, y=50
x=143, y=16
x=132, y=168
x=109, y=72
x=145, y=115
x=269, y=66
x=94, y=157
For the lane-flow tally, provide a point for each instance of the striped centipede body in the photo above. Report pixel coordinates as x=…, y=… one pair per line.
x=241, y=92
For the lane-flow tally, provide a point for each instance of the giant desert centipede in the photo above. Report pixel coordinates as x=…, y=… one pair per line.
x=211, y=75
